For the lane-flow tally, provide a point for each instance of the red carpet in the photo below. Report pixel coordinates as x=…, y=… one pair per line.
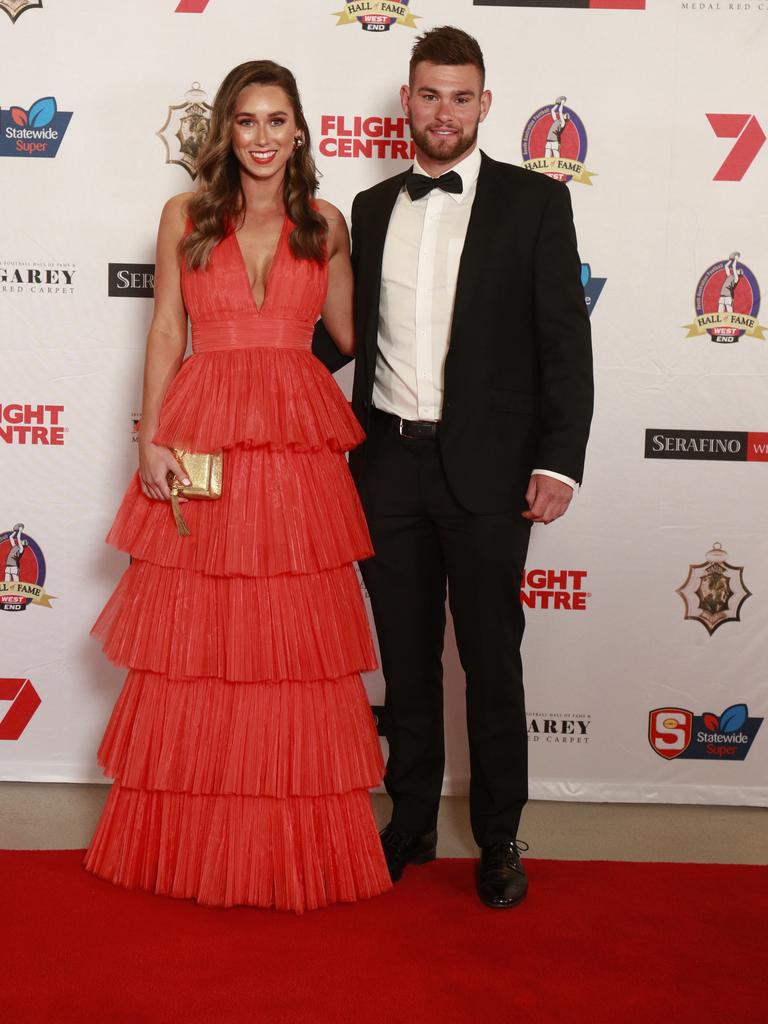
x=595, y=942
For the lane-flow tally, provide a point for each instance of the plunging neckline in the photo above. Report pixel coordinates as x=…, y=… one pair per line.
x=268, y=278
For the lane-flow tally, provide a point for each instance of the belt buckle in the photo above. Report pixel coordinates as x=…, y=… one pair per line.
x=400, y=426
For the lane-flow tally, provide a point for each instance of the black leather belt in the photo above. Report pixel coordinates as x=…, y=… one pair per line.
x=416, y=430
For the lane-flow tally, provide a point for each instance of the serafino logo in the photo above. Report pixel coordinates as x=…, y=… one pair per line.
x=749, y=136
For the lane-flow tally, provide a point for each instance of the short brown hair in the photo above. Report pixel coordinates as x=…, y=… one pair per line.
x=447, y=45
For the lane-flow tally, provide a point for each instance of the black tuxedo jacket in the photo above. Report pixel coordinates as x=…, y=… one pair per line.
x=518, y=375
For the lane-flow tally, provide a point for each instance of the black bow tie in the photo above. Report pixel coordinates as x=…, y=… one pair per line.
x=418, y=185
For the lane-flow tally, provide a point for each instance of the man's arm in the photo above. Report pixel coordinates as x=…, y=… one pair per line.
x=323, y=346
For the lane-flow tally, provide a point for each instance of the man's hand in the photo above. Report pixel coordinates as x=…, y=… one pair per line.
x=547, y=499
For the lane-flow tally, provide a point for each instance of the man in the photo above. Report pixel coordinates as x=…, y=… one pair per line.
x=473, y=383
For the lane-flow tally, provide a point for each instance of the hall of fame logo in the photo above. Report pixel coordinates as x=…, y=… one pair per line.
x=376, y=15
x=15, y=8
x=727, y=303
x=714, y=591
x=555, y=143
x=24, y=572
x=186, y=129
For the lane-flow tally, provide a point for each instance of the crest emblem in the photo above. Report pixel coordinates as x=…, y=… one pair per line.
x=727, y=303
x=669, y=731
x=555, y=143
x=15, y=8
x=23, y=565
x=186, y=129
x=376, y=15
x=714, y=591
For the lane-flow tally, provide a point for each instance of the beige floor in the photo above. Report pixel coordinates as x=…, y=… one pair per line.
x=51, y=816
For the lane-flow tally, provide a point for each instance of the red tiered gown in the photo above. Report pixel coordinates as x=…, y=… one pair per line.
x=242, y=744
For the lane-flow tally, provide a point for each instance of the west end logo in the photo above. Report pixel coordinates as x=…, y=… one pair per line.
x=34, y=132
x=592, y=286
x=186, y=129
x=376, y=15
x=727, y=303
x=555, y=143
x=15, y=8
x=714, y=591
x=677, y=732
x=24, y=572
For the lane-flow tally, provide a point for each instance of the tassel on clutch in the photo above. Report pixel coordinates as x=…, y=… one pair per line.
x=205, y=474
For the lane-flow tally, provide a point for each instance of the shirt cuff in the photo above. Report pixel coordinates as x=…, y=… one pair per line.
x=557, y=476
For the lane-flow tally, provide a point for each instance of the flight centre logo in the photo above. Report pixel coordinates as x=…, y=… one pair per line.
x=678, y=733
x=186, y=129
x=22, y=423
x=376, y=15
x=15, y=8
x=36, y=132
x=593, y=287
x=555, y=143
x=555, y=589
x=366, y=138
x=23, y=565
x=714, y=590
x=727, y=302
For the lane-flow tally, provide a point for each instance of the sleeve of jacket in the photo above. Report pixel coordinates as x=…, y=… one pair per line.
x=563, y=341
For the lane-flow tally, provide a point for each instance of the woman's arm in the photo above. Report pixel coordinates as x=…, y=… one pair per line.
x=166, y=344
x=338, y=309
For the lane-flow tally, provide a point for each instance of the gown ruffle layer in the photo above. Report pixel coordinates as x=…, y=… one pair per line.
x=242, y=743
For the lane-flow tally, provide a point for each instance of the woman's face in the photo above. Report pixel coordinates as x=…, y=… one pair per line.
x=264, y=130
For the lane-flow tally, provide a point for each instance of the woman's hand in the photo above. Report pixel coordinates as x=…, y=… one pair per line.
x=155, y=463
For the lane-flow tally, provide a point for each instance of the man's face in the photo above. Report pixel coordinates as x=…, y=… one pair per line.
x=444, y=104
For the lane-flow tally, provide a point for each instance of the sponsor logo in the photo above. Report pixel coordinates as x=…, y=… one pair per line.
x=31, y=424
x=37, y=278
x=368, y=138
x=131, y=280
x=555, y=143
x=677, y=732
x=558, y=728
x=376, y=15
x=724, y=6
x=589, y=5
x=714, y=590
x=192, y=7
x=745, y=128
x=15, y=8
x=186, y=129
x=136, y=424
x=34, y=132
x=706, y=445
x=727, y=303
x=24, y=572
x=593, y=287
x=24, y=700
x=555, y=589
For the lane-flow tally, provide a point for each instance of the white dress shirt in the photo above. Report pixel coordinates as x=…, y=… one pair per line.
x=420, y=267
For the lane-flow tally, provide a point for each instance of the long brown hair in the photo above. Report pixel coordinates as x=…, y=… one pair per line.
x=219, y=199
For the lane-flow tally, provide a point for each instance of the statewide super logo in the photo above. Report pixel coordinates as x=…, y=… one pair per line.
x=24, y=573
x=34, y=132
x=714, y=590
x=15, y=8
x=727, y=303
x=677, y=732
x=376, y=15
x=555, y=143
x=186, y=129
x=592, y=286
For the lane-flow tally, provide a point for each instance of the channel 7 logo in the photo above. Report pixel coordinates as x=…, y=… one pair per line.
x=745, y=128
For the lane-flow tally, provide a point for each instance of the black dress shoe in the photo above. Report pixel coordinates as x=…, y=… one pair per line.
x=401, y=848
x=501, y=878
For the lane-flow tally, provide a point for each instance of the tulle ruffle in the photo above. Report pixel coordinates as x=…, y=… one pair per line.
x=279, y=512
x=268, y=739
x=298, y=853
x=256, y=396
x=188, y=625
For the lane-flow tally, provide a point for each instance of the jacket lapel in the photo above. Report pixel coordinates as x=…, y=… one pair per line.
x=482, y=220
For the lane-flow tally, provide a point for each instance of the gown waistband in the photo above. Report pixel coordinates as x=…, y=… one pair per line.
x=248, y=331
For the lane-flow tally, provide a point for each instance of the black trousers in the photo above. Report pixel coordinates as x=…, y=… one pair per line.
x=424, y=541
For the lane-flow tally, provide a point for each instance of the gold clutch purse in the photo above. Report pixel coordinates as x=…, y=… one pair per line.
x=204, y=473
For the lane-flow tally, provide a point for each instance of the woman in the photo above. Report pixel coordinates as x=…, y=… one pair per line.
x=242, y=744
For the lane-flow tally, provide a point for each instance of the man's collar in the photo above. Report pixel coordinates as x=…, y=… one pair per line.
x=468, y=170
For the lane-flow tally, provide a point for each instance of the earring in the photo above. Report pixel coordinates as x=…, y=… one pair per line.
x=298, y=141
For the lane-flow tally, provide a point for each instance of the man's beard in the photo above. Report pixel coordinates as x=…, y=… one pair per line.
x=444, y=154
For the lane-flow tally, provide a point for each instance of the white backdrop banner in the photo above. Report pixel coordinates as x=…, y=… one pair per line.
x=647, y=605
